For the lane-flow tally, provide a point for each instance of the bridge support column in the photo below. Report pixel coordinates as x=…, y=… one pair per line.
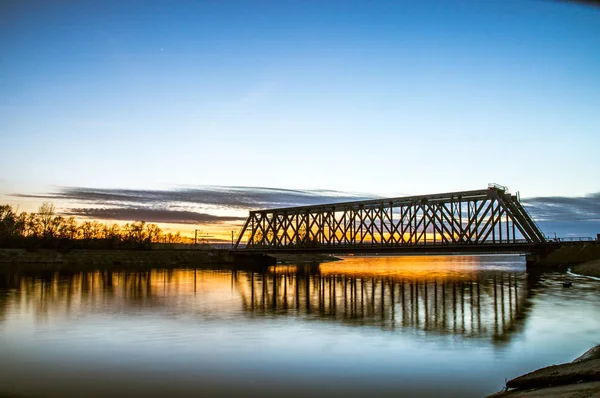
x=532, y=261
x=542, y=258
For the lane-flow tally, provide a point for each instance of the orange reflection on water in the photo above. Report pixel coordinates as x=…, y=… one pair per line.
x=407, y=267
x=71, y=293
x=283, y=269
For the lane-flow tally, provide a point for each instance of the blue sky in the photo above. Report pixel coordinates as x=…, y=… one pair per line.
x=379, y=97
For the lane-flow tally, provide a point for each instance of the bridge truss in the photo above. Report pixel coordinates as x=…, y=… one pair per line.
x=470, y=218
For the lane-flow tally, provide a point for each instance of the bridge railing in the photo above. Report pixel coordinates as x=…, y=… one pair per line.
x=572, y=239
x=498, y=186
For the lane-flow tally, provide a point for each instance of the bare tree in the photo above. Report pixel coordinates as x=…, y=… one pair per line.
x=154, y=233
x=49, y=229
x=46, y=213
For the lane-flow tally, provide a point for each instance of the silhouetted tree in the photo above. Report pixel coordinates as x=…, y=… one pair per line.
x=173, y=238
x=47, y=229
x=11, y=225
x=154, y=233
x=45, y=217
x=33, y=226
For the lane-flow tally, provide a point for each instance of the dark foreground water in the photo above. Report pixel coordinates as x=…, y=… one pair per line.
x=404, y=326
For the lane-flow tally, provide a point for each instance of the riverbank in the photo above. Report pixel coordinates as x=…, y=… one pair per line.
x=582, y=255
x=579, y=378
x=590, y=268
x=46, y=259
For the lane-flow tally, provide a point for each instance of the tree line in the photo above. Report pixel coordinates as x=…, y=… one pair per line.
x=46, y=229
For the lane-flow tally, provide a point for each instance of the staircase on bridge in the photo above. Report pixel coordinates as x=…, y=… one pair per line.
x=490, y=218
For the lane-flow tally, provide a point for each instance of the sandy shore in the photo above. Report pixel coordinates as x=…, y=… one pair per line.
x=580, y=378
x=581, y=390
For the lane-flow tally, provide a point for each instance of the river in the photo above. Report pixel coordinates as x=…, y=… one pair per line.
x=365, y=326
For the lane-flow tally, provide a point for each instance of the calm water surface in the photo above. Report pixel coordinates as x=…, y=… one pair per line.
x=386, y=326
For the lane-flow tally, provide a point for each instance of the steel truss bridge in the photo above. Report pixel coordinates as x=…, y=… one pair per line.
x=487, y=220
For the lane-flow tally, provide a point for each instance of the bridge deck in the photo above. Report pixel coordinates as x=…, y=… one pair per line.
x=517, y=248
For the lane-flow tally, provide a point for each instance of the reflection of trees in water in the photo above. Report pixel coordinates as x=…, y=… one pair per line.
x=491, y=304
x=7, y=281
x=49, y=293
x=59, y=292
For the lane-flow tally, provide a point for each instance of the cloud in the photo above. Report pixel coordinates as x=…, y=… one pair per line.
x=164, y=206
x=181, y=205
x=562, y=208
x=150, y=215
x=225, y=197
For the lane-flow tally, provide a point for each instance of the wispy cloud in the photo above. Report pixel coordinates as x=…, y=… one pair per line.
x=150, y=215
x=189, y=205
x=166, y=205
x=562, y=208
x=226, y=197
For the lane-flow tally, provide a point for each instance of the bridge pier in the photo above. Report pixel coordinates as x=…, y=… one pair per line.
x=540, y=258
x=533, y=261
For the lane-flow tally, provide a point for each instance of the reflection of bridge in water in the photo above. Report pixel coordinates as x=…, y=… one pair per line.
x=482, y=304
x=490, y=305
